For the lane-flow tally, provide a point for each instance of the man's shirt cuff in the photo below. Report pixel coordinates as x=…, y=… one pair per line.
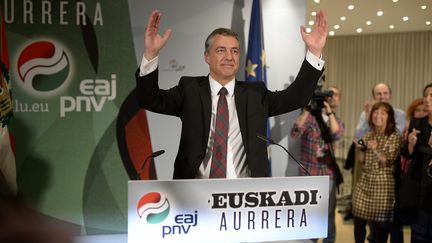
x=315, y=61
x=147, y=66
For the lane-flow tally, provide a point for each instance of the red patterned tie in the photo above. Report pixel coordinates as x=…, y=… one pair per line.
x=220, y=137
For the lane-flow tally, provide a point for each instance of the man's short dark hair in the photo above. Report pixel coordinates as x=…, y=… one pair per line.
x=219, y=31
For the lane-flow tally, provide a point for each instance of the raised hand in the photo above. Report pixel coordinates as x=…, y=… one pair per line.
x=153, y=41
x=315, y=40
x=412, y=137
x=412, y=140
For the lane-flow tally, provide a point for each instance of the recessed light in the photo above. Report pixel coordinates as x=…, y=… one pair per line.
x=423, y=7
x=428, y=23
x=350, y=7
x=308, y=30
x=317, y=1
x=368, y=22
x=359, y=30
x=331, y=33
x=343, y=18
x=380, y=13
x=391, y=26
x=405, y=18
x=336, y=26
x=313, y=13
x=311, y=22
x=395, y=1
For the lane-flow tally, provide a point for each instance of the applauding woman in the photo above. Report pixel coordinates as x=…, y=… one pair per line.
x=374, y=194
x=418, y=149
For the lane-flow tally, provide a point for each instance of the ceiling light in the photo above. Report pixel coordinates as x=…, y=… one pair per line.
x=405, y=18
x=350, y=7
x=423, y=7
x=368, y=22
x=391, y=26
x=343, y=18
x=359, y=30
x=331, y=33
x=395, y=1
x=317, y=1
x=336, y=26
x=308, y=30
x=311, y=22
x=313, y=13
x=380, y=13
x=428, y=23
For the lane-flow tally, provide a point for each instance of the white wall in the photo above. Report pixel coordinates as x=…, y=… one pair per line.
x=192, y=21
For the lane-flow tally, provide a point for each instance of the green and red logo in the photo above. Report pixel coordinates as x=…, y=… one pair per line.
x=44, y=68
x=153, y=207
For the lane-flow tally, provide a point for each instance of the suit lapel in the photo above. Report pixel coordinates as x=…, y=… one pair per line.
x=205, y=94
x=241, y=106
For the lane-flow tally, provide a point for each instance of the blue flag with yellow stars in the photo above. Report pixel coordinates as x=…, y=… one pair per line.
x=255, y=58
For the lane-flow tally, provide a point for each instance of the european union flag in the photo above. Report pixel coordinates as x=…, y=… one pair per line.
x=255, y=58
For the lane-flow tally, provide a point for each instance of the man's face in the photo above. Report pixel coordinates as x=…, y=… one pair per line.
x=334, y=100
x=223, y=58
x=381, y=93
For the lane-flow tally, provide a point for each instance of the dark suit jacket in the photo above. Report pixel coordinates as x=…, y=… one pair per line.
x=190, y=100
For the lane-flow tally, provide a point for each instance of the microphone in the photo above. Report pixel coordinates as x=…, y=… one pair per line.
x=151, y=156
x=270, y=141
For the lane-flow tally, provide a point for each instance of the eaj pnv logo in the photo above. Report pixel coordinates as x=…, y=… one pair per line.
x=153, y=207
x=44, y=68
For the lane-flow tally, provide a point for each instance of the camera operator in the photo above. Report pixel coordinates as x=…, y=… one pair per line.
x=316, y=151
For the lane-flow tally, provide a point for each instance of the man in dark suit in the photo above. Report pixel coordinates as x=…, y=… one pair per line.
x=230, y=143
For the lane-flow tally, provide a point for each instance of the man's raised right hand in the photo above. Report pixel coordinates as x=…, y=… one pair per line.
x=153, y=41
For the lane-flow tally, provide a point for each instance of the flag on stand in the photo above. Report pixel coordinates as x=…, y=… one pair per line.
x=7, y=157
x=255, y=58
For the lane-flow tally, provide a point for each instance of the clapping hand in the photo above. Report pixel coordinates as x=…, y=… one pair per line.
x=412, y=137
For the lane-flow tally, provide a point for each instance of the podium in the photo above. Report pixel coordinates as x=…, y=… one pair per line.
x=228, y=210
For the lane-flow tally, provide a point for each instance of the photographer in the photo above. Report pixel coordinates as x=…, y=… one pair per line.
x=316, y=152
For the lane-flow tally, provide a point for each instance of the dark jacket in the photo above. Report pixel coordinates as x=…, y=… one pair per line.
x=421, y=157
x=190, y=100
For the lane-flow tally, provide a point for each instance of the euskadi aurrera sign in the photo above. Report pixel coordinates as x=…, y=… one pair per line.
x=239, y=210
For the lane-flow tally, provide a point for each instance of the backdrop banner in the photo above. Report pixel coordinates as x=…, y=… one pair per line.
x=72, y=67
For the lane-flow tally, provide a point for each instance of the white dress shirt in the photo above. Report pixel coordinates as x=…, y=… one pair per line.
x=236, y=156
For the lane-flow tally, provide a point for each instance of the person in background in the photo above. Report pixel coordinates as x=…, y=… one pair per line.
x=415, y=110
x=315, y=152
x=374, y=193
x=19, y=223
x=418, y=150
x=381, y=92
